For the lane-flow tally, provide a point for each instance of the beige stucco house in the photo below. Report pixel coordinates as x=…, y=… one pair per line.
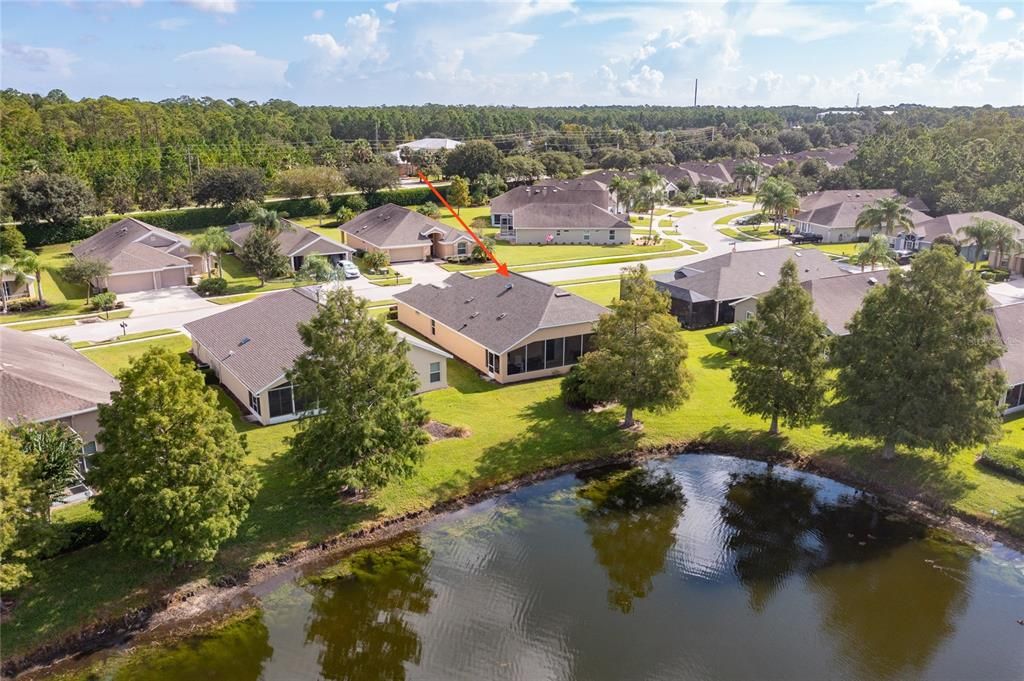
x=251, y=347
x=405, y=235
x=559, y=212
x=295, y=242
x=833, y=213
x=510, y=328
x=43, y=380
x=141, y=257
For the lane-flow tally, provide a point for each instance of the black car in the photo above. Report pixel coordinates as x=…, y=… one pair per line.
x=800, y=238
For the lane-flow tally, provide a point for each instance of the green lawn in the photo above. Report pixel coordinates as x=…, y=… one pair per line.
x=85, y=345
x=845, y=250
x=63, y=297
x=533, y=254
x=601, y=292
x=708, y=205
x=241, y=280
x=726, y=219
x=662, y=211
x=117, y=356
x=514, y=429
x=736, y=234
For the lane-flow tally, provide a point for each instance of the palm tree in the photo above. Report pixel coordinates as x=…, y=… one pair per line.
x=888, y=215
x=748, y=172
x=982, y=233
x=272, y=221
x=1005, y=241
x=875, y=252
x=10, y=274
x=30, y=262
x=778, y=198
x=623, y=188
x=652, y=189
x=214, y=241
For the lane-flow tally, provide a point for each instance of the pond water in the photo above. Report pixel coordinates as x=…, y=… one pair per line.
x=755, y=575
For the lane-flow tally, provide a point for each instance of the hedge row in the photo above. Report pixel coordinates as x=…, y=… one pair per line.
x=1005, y=460
x=196, y=219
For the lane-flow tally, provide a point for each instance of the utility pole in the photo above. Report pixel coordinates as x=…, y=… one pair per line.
x=858, y=100
x=695, y=91
x=376, y=135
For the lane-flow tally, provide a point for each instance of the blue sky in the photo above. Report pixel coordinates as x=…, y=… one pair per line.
x=528, y=52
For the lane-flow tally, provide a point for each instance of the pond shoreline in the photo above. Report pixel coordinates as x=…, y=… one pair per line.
x=202, y=604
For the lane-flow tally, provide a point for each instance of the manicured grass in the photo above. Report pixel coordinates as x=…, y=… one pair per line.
x=708, y=205
x=726, y=219
x=736, y=234
x=239, y=298
x=65, y=321
x=241, y=280
x=845, y=250
x=85, y=345
x=640, y=221
x=662, y=211
x=601, y=292
x=469, y=215
x=680, y=213
x=62, y=297
x=117, y=356
x=667, y=222
x=698, y=246
x=533, y=254
x=392, y=278
x=513, y=430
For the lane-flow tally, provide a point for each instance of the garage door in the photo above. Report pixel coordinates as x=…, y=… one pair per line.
x=129, y=283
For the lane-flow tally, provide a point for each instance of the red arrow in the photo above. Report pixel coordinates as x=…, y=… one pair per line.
x=502, y=267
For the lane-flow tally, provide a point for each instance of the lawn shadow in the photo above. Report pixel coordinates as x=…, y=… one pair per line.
x=553, y=435
x=70, y=290
x=913, y=474
x=746, y=440
x=467, y=380
x=292, y=509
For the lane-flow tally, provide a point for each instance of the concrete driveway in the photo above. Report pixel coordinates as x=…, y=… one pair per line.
x=174, y=299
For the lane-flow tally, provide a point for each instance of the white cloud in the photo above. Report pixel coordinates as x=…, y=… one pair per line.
x=336, y=59
x=214, y=6
x=524, y=10
x=644, y=83
x=318, y=14
x=1005, y=14
x=235, y=68
x=52, y=61
x=800, y=23
x=171, y=24
x=506, y=43
x=392, y=6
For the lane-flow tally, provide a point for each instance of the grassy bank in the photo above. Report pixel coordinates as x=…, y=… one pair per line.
x=513, y=430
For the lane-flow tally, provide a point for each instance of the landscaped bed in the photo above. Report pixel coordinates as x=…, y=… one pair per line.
x=525, y=429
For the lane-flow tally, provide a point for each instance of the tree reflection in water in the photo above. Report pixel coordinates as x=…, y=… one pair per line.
x=770, y=518
x=359, y=618
x=631, y=521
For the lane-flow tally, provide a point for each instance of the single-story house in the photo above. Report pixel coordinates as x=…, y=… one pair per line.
x=13, y=290
x=833, y=213
x=43, y=380
x=252, y=346
x=568, y=223
x=1010, y=328
x=295, y=242
x=924, y=233
x=835, y=298
x=703, y=293
x=141, y=257
x=405, y=235
x=550, y=193
x=510, y=328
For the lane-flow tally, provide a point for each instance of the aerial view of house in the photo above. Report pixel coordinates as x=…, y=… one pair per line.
x=42, y=379
x=559, y=211
x=836, y=298
x=405, y=235
x=833, y=213
x=509, y=328
x=925, y=233
x=141, y=257
x=704, y=292
x=252, y=346
x=295, y=242
x=1009, y=321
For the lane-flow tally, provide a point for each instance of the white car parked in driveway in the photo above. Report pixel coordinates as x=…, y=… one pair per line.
x=349, y=269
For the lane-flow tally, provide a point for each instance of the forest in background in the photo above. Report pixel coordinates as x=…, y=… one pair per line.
x=148, y=155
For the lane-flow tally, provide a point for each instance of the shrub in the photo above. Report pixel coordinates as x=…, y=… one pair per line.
x=70, y=536
x=22, y=304
x=104, y=301
x=214, y=286
x=376, y=261
x=574, y=389
x=1005, y=460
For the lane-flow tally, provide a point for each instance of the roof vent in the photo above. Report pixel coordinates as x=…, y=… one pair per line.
x=760, y=274
x=474, y=315
x=501, y=316
x=562, y=294
x=872, y=281
x=470, y=299
x=508, y=286
x=244, y=341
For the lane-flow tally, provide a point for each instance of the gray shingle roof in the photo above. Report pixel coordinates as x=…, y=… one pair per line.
x=952, y=224
x=1010, y=326
x=499, y=312
x=839, y=208
x=258, y=341
x=836, y=299
x=391, y=226
x=566, y=215
x=294, y=241
x=579, y=192
x=42, y=379
x=744, y=273
x=130, y=245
